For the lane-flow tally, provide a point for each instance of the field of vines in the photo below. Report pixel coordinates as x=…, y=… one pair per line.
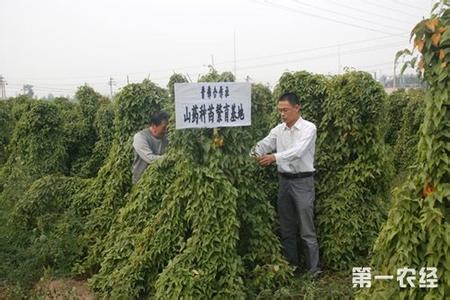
x=201, y=223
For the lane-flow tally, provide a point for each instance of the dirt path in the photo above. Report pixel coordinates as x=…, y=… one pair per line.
x=62, y=289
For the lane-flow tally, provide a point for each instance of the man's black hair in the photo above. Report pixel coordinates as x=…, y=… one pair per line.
x=292, y=98
x=158, y=117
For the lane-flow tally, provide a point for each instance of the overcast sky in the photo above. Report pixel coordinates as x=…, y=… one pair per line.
x=57, y=45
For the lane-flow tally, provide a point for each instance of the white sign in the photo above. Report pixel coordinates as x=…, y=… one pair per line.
x=212, y=104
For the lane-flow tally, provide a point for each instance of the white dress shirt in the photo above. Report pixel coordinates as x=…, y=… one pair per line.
x=294, y=147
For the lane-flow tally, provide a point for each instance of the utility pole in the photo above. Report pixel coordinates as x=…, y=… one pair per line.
x=394, y=84
x=111, y=82
x=2, y=88
x=212, y=61
x=339, y=59
x=235, y=75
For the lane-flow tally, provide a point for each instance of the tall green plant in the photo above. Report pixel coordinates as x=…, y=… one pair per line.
x=6, y=129
x=38, y=149
x=416, y=233
x=105, y=196
x=82, y=140
x=396, y=104
x=352, y=169
x=197, y=224
x=405, y=147
x=52, y=222
x=310, y=88
x=104, y=130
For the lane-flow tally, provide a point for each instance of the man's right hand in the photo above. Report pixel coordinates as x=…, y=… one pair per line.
x=267, y=160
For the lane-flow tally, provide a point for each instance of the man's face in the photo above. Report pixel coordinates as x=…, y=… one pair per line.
x=159, y=130
x=288, y=112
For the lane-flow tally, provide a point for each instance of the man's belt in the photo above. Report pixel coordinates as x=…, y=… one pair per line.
x=296, y=175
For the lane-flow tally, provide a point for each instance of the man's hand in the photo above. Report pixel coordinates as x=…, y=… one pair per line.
x=267, y=160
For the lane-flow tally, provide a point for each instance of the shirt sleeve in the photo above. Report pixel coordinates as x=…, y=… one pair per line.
x=267, y=144
x=299, y=147
x=142, y=148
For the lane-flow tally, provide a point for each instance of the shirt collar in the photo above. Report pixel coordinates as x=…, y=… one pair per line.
x=296, y=125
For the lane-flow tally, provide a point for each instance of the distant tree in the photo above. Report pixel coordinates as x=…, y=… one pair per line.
x=28, y=90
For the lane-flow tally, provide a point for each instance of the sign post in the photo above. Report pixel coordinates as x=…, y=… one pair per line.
x=212, y=104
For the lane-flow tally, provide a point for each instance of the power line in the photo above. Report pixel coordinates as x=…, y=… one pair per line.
x=343, y=53
x=39, y=87
x=378, y=65
x=403, y=4
x=374, y=47
x=365, y=12
x=264, y=57
x=341, y=14
x=390, y=8
x=290, y=9
x=316, y=48
x=353, y=51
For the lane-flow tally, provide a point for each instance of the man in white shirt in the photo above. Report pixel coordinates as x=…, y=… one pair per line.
x=291, y=146
x=150, y=144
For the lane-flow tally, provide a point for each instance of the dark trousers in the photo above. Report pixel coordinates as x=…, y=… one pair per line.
x=296, y=214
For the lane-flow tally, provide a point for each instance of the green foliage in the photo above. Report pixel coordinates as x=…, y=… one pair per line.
x=134, y=105
x=404, y=115
x=328, y=286
x=73, y=130
x=62, y=220
x=208, y=265
x=214, y=76
x=405, y=148
x=6, y=129
x=10, y=112
x=258, y=245
x=416, y=233
x=197, y=224
x=171, y=238
x=38, y=147
x=128, y=241
x=263, y=108
x=105, y=196
x=353, y=173
x=20, y=105
x=396, y=104
x=41, y=232
x=175, y=78
x=170, y=105
x=310, y=88
x=82, y=133
x=104, y=130
x=53, y=221
x=89, y=101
